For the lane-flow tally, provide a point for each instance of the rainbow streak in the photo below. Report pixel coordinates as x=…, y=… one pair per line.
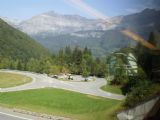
x=139, y=39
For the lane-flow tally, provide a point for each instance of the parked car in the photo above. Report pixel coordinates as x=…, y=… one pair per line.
x=70, y=77
x=55, y=76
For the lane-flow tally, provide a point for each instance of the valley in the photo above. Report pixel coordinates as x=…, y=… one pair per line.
x=56, y=31
x=66, y=65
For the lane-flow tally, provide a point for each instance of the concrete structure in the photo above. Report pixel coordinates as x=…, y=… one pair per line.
x=139, y=112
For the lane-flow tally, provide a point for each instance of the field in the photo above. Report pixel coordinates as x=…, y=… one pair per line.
x=112, y=89
x=12, y=80
x=63, y=103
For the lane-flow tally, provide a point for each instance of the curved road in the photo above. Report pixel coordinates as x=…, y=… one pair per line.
x=42, y=81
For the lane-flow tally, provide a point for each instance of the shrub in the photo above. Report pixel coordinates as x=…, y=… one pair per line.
x=138, y=94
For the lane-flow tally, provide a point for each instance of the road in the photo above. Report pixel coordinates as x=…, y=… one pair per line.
x=42, y=81
x=6, y=116
x=11, y=114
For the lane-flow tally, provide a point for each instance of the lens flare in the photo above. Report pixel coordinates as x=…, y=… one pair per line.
x=90, y=10
x=139, y=39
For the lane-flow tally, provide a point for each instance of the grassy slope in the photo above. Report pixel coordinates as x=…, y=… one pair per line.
x=11, y=80
x=112, y=89
x=16, y=44
x=62, y=102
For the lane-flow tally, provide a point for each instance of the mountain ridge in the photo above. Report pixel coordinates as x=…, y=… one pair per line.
x=57, y=23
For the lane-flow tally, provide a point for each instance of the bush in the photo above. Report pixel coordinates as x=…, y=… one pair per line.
x=119, y=80
x=134, y=81
x=138, y=94
x=138, y=89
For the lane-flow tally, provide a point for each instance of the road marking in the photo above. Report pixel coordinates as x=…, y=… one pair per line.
x=14, y=116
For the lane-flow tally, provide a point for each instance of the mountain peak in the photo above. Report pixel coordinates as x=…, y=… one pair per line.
x=51, y=13
x=148, y=10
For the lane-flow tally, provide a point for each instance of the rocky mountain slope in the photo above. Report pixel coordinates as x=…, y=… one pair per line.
x=54, y=23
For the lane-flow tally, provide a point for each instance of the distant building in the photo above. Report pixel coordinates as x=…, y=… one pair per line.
x=127, y=62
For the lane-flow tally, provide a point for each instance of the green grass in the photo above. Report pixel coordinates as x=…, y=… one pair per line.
x=112, y=89
x=62, y=102
x=11, y=80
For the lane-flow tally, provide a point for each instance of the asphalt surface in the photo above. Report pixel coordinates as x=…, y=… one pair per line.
x=42, y=81
x=5, y=116
x=9, y=114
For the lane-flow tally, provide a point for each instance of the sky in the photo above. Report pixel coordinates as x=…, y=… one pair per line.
x=25, y=9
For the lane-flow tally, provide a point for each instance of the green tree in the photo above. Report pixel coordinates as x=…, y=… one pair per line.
x=85, y=71
x=68, y=55
x=33, y=65
x=145, y=56
x=61, y=57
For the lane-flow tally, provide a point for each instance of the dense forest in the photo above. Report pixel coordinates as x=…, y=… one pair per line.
x=74, y=61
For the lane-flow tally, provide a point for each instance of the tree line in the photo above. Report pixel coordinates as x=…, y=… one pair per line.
x=68, y=60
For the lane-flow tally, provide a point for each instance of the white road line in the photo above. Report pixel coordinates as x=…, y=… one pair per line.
x=14, y=116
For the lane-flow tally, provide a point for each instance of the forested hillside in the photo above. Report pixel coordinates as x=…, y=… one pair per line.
x=17, y=45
